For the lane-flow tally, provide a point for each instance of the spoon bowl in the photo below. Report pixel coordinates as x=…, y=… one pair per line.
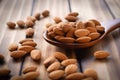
x=109, y=27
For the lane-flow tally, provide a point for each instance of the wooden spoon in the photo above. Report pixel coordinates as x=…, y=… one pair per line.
x=109, y=27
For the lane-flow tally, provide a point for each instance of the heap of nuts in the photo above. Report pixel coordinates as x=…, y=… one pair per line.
x=74, y=32
x=60, y=67
x=29, y=23
x=29, y=73
x=27, y=46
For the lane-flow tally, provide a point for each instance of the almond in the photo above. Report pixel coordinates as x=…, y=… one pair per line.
x=60, y=56
x=72, y=68
x=68, y=62
x=73, y=24
x=58, y=31
x=83, y=39
x=91, y=73
x=75, y=14
x=67, y=40
x=94, y=35
x=17, y=54
x=101, y=54
x=11, y=25
x=71, y=18
x=70, y=33
x=88, y=78
x=89, y=24
x=31, y=18
x=75, y=76
x=1, y=57
x=66, y=27
x=29, y=69
x=29, y=43
x=100, y=29
x=91, y=29
x=57, y=74
x=97, y=23
x=29, y=23
x=81, y=32
x=48, y=25
x=49, y=61
x=29, y=32
x=27, y=49
x=57, y=20
x=17, y=78
x=35, y=54
x=37, y=16
x=31, y=75
x=58, y=38
x=12, y=47
x=54, y=66
x=45, y=13
x=51, y=34
x=4, y=72
x=80, y=25
x=25, y=40
x=21, y=23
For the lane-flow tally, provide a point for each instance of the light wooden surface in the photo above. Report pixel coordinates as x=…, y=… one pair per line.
x=103, y=10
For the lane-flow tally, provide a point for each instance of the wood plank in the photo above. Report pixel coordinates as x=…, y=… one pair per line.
x=46, y=49
x=97, y=9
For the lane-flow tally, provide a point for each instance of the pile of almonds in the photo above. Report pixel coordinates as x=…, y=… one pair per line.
x=74, y=31
x=29, y=73
x=26, y=46
x=60, y=67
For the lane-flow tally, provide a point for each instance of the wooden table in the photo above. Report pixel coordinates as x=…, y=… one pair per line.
x=103, y=10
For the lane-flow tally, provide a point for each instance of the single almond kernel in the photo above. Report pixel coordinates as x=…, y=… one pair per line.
x=37, y=16
x=68, y=62
x=94, y=35
x=29, y=69
x=17, y=54
x=21, y=23
x=45, y=13
x=35, y=55
x=29, y=23
x=31, y=18
x=81, y=32
x=29, y=43
x=12, y=47
x=57, y=20
x=75, y=14
x=4, y=72
x=60, y=56
x=71, y=18
x=11, y=25
x=29, y=32
x=27, y=49
x=1, y=57
x=25, y=40
x=83, y=39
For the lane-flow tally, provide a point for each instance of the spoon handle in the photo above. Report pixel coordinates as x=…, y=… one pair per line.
x=112, y=25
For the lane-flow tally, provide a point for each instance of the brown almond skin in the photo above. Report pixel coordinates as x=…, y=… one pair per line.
x=94, y=35
x=1, y=57
x=91, y=73
x=58, y=31
x=75, y=14
x=81, y=32
x=60, y=56
x=27, y=49
x=49, y=61
x=31, y=18
x=4, y=72
x=21, y=23
x=25, y=40
x=91, y=29
x=54, y=66
x=66, y=27
x=71, y=18
x=57, y=19
x=17, y=78
x=72, y=68
x=48, y=25
x=83, y=39
x=70, y=33
x=29, y=32
x=101, y=54
x=29, y=69
x=96, y=22
x=88, y=78
x=80, y=25
x=37, y=16
x=17, y=54
x=100, y=29
x=35, y=55
x=57, y=74
x=11, y=25
x=12, y=47
x=31, y=75
x=29, y=43
x=89, y=24
x=68, y=62
x=29, y=23
x=67, y=40
x=75, y=76
x=45, y=13
x=51, y=34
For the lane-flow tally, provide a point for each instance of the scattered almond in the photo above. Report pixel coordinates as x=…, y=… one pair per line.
x=29, y=43
x=25, y=40
x=37, y=16
x=29, y=69
x=11, y=25
x=91, y=73
x=1, y=57
x=60, y=56
x=21, y=23
x=17, y=54
x=4, y=72
x=12, y=47
x=29, y=23
x=29, y=32
x=57, y=19
x=57, y=74
x=68, y=62
x=101, y=54
x=31, y=18
x=75, y=14
x=45, y=13
x=35, y=55
x=54, y=66
x=71, y=18
x=27, y=49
